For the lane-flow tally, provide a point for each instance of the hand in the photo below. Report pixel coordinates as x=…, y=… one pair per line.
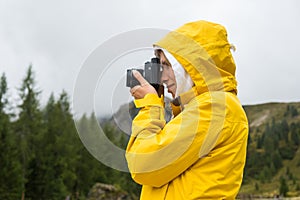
x=139, y=91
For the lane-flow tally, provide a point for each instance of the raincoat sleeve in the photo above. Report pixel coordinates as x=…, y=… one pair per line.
x=158, y=152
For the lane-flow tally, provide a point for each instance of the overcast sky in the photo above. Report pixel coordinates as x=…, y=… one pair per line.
x=56, y=37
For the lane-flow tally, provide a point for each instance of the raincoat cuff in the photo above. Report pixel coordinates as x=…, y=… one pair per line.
x=175, y=109
x=149, y=100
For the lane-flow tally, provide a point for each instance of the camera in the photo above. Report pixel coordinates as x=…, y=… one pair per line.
x=152, y=73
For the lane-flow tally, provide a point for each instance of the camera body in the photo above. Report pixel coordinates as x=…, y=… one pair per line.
x=152, y=73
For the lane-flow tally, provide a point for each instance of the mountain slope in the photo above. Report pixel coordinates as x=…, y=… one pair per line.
x=273, y=157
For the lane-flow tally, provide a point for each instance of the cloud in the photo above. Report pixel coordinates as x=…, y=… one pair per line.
x=57, y=37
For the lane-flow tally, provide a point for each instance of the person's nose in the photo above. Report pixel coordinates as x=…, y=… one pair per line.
x=164, y=77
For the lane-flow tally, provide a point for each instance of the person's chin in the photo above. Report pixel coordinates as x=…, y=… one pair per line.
x=172, y=93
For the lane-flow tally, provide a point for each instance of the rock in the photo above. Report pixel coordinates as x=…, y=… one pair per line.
x=101, y=191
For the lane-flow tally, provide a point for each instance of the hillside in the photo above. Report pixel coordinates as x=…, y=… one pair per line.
x=273, y=158
x=263, y=113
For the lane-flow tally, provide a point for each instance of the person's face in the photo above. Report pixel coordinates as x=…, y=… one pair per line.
x=168, y=76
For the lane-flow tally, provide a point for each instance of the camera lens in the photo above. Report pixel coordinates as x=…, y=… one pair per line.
x=155, y=60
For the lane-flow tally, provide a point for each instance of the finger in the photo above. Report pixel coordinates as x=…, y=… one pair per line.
x=144, y=84
x=134, y=89
x=139, y=77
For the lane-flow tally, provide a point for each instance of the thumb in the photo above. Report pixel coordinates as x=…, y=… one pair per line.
x=139, y=77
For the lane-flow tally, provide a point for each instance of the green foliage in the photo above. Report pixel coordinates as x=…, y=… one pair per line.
x=276, y=161
x=287, y=152
x=11, y=181
x=291, y=111
x=275, y=144
x=283, y=190
x=41, y=154
x=295, y=138
x=3, y=90
x=256, y=187
x=29, y=129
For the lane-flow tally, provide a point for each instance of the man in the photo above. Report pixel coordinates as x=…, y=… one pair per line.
x=200, y=153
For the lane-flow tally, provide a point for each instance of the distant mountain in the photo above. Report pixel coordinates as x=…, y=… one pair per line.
x=124, y=115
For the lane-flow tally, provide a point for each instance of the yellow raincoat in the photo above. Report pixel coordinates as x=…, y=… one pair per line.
x=201, y=152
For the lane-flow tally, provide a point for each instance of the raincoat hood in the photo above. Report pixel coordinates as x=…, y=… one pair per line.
x=203, y=50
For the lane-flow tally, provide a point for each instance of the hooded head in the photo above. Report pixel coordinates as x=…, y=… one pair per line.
x=203, y=50
x=183, y=81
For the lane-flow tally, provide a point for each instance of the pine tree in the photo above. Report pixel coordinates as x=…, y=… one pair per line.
x=277, y=160
x=256, y=186
x=67, y=144
x=291, y=111
x=283, y=186
x=269, y=145
x=52, y=159
x=295, y=136
x=11, y=181
x=86, y=165
x=284, y=127
x=259, y=143
x=30, y=131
